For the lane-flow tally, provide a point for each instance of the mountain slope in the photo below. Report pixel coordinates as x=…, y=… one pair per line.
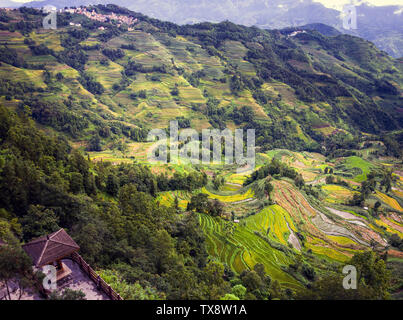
x=205, y=74
x=381, y=25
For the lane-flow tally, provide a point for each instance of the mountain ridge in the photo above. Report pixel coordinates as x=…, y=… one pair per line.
x=345, y=77
x=381, y=25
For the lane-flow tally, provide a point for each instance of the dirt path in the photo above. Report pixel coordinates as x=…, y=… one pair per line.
x=234, y=184
x=317, y=181
x=293, y=239
x=243, y=201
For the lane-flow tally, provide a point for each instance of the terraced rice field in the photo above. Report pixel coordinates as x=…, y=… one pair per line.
x=391, y=226
x=273, y=222
x=342, y=240
x=357, y=162
x=106, y=75
x=168, y=198
x=389, y=201
x=236, y=197
x=243, y=249
x=236, y=178
x=311, y=222
x=327, y=252
x=337, y=194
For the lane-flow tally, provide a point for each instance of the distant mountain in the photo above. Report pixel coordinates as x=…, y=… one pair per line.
x=65, y=3
x=381, y=25
x=9, y=4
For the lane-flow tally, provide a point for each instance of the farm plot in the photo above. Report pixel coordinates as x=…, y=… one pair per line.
x=356, y=163
x=273, y=221
x=168, y=198
x=242, y=249
x=337, y=194
x=235, y=197
x=389, y=201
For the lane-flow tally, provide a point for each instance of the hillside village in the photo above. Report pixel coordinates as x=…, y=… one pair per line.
x=93, y=15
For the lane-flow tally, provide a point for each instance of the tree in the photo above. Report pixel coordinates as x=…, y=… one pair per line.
x=218, y=182
x=15, y=265
x=176, y=203
x=67, y=294
x=299, y=181
x=372, y=272
x=377, y=205
x=396, y=241
x=239, y=291
x=214, y=278
x=268, y=188
x=59, y=76
x=39, y=221
x=112, y=185
x=330, y=179
x=199, y=203
x=230, y=296
x=259, y=269
x=89, y=237
x=387, y=178
x=252, y=281
x=276, y=291
x=373, y=281
x=95, y=144
x=76, y=182
x=175, y=91
x=215, y=208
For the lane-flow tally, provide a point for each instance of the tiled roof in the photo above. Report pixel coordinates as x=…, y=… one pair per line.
x=50, y=248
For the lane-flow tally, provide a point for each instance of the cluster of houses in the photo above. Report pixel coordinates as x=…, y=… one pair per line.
x=295, y=33
x=93, y=15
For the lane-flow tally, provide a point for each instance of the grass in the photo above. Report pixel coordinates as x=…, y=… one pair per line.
x=357, y=162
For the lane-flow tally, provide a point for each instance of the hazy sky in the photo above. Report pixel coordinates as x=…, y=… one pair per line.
x=328, y=3
x=339, y=3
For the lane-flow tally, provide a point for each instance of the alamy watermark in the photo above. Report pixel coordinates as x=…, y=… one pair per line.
x=50, y=21
x=50, y=280
x=350, y=280
x=189, y=146
x=349, y=17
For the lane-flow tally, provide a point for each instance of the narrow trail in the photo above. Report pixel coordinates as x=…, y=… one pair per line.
x=234, y=184
x=293, y=239
x=243, y=201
